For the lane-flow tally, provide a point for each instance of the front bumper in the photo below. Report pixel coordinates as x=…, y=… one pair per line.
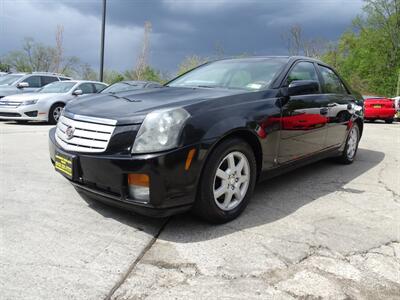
x=104, y=178
x=24, y=112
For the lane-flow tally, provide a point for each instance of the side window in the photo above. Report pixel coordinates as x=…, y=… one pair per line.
x=99, y=87
x=86, y=88
x=48, y=79
x=302, y=71
x=332, y=83
x=34, y=81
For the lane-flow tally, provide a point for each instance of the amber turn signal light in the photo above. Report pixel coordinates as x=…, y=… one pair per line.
x=139, y=179
x=189, y=159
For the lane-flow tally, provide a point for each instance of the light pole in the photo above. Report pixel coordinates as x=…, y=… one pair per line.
x=103, y=29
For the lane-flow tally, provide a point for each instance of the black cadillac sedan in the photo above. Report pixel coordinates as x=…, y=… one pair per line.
x=203, y=140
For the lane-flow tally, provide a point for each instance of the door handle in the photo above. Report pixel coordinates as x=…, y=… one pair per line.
x=332, y=104
x=323, y=111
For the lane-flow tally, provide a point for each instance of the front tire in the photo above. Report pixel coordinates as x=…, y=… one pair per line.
x=350, y=150
x=55, y=113
x=389, y=121
x=227, y=182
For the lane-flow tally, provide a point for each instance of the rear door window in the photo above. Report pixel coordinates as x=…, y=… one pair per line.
x=332, y=83
x=48, y=79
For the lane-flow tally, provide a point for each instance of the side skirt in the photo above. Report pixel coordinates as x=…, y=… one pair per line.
x=270, y=173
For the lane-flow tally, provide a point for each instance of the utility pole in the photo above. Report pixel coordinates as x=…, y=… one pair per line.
x=103, y=29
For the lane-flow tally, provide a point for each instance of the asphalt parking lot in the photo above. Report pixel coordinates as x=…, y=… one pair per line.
x=322, y=231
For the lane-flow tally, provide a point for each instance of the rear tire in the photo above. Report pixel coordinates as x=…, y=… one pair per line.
x=350, y=150
x=55, y=112
x=227, y=182
x=389, y=121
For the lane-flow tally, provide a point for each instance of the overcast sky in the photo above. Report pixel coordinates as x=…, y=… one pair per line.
x=180, y=27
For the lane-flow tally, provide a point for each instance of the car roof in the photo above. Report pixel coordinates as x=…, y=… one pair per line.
x=373, y=97
x=287, y=57
x=86, y=81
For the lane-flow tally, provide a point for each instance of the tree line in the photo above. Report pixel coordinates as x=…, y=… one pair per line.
x=367, y=54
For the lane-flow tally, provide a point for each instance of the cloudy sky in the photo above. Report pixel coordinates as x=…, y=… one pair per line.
x=179, y=27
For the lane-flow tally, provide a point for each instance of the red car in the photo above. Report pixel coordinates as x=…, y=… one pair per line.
x=379, y=108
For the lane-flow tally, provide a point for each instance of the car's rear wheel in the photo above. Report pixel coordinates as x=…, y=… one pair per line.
x=227, y=182
x=55, y=112
x=389, y=121
x=351, y=147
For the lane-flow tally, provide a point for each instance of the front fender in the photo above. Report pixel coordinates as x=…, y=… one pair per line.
x=226, y=126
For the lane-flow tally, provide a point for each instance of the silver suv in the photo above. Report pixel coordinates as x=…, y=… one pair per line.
x=17, y=83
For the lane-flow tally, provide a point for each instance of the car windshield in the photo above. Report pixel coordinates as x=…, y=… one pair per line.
x=246, y=74
x=58, y=87
x=9, y=79
x=122, y=87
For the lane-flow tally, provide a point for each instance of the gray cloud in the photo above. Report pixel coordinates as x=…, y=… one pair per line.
x=180, y=28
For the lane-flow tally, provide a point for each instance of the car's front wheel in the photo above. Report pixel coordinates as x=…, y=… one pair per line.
x=389, y=121
x=55, y=113
x=227, y=182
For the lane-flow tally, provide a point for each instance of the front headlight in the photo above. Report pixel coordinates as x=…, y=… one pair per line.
x=29, y=102
x=160, y=130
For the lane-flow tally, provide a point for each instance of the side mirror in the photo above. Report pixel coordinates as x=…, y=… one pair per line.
x=303, y=87
x=22, y=85
x=77, y=92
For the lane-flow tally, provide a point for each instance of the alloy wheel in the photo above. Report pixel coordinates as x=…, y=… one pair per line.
x=352, y=143
x=57, y=112
x=231, y=180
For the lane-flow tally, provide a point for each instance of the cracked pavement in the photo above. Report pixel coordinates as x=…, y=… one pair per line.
x=325, y=231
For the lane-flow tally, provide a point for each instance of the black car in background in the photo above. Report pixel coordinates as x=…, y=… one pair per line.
x=203, y=140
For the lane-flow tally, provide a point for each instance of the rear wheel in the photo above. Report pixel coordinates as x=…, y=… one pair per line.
x=350, y=150
x=55, y=112
x=227, y=182
x=389, y=121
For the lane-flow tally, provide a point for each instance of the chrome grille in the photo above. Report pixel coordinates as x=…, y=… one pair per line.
x=9, y=104
x=85, y=136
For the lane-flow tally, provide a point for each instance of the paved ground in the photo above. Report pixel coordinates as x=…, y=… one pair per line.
x=323, y=231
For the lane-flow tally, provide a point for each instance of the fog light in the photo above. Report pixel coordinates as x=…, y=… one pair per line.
x=138, y=185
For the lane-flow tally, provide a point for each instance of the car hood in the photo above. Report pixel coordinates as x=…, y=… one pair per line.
x=131, y=107
x=30, y=96
x=8, y=90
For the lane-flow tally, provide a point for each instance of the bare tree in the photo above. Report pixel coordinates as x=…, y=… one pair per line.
x=190, y=62
x=314, y=47
x=142, y=61
x=219, y=50
x=293, y=38
x=297, y=44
